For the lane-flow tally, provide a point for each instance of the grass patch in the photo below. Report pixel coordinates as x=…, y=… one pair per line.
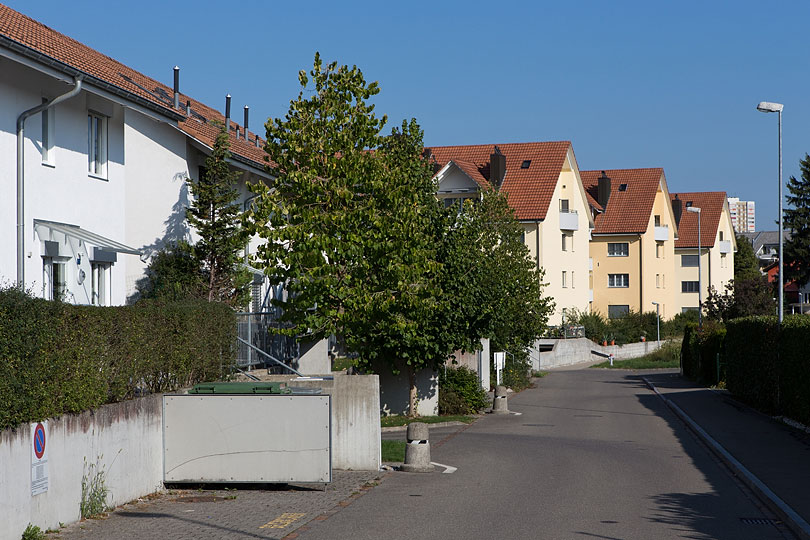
x=665, y=357
x=539, y=374
x=393, y=451
x=397, y=420
x=342, y=363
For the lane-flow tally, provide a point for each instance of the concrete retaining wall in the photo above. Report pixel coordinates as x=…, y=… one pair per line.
x=124, y=438
x=567, y=352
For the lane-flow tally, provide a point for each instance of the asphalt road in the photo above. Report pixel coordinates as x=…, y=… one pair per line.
x=594, y=454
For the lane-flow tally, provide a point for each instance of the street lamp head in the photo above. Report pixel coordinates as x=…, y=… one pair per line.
x=693, y=209
x=767, y=106
x=655, y=303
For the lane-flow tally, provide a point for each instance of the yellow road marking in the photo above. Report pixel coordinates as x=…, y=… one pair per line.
x=283, y=521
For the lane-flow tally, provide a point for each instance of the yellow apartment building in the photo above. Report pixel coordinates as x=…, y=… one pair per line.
x=717, y=246
x=542, y=183
x=632, y=243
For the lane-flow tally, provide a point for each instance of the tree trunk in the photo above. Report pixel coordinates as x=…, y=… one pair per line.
x=412, y=392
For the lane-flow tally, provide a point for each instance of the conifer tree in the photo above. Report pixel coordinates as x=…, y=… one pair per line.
x=797, y=221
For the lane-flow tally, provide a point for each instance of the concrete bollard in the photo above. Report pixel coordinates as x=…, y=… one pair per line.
x=499, y=405
x=417, y=450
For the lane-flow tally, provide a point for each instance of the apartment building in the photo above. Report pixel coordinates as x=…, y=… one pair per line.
x=743, y=215
x=633, y=241
x=542, y=183
x=704, y=250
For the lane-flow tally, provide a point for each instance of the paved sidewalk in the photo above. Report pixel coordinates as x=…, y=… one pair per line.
x=244, y=513
x=776, y=454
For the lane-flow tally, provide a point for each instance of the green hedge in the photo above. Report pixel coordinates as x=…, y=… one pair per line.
x=460, y=392
x=59, y=358
x=769, y=368
x=700, y=350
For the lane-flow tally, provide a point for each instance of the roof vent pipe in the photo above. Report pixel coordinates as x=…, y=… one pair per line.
x=603, y=190
x=188, y=107
x=228, y=113
x=176, y=87
x=246, y=121
x=257, y=141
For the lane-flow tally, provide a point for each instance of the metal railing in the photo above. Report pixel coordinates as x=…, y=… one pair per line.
x=259, y=346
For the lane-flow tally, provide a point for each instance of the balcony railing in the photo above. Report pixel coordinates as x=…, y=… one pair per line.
x=725, y=246
x=569, y=220
x=662, y=233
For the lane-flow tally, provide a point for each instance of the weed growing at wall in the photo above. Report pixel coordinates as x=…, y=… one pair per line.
x=32, y=532
x=94, y=489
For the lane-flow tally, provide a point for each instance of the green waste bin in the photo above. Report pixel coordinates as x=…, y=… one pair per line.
x=241, y=388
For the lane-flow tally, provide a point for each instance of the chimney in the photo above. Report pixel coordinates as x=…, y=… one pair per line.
x=188, y=107
x=257, y=141
x=497, y=168
x=176, y=87
x=228, y=113
x=603, y=190
x=246, y=121
x=677, y=209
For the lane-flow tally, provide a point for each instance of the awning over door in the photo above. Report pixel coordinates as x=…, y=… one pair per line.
x=43, y=228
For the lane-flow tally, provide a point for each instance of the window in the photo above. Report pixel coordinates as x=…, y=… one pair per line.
x=526, y=163
x=523, y=237
x=564, y=279
x=663, y=281
x=54, y=280
x=723, y=261
x=687, y=309
x=564, y=205
x=564, y=243
x=721, y=236
x=689, y=260
x=47, y=136
x=97, y=145
x=657, y=221
x=572, y=279
x=618, y=249
x=618, y=280
x=659, y=250
x=617, y=312
x=690, y=286
x=101, y=284
x=622, y=187
x=658, y=281
x=567, y=242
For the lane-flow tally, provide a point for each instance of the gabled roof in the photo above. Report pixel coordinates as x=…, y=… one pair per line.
x=628, y=210
x=469, y=170
x=711, y=210
x=48, y=47
x=529, y=190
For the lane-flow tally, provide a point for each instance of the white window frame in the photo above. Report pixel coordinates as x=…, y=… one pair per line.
x=101, y=283
x=618, y=281
x=97, y=147
x=48, y=154
x=659, y=250
x=618, y=249
x=688, y=284
x=54, y=285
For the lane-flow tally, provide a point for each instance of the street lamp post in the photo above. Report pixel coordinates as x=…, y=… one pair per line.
x=657, y=324
x=696, y=210
x=768, y=107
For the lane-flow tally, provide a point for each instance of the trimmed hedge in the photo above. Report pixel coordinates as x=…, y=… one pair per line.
x=700, y=350
x=58, y=358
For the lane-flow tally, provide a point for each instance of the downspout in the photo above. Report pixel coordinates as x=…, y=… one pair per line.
x=21, y=174
x=537, y=242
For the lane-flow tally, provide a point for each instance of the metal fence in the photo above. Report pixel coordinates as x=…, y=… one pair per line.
x=256, y=329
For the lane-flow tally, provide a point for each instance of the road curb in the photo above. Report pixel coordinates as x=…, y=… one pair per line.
x=393, y=429
x=790, y=517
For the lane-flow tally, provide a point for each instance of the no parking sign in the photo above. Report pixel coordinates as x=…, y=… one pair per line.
x=39, y=458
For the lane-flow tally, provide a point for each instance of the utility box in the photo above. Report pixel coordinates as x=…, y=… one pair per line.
x=247, y=432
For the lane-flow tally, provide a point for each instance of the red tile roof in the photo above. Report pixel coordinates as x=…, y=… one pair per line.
x=528, y=190
x=711, y=209
x=627, y=211
x=471, y=170
x=45, y=45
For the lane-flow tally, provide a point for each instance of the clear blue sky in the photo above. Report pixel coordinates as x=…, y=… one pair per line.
x=630, y=83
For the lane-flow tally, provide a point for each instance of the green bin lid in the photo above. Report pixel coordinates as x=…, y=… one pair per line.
x=240, y=388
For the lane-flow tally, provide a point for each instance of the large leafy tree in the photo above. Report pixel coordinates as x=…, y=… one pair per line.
x=797, y=221
x=216, y=216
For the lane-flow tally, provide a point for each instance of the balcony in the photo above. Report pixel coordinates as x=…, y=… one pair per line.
x=662, y=233
x=569, y=220
x=725, y=246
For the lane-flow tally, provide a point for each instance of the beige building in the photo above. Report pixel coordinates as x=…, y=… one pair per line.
x=717, y=246
x=542, y=183
x=632, y=244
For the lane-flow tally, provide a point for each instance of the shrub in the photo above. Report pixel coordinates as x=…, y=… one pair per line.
x=517, y=373
x=751, y=361
x=59, y=358
x=676, y=326
x=794, y=390
x=700, y=350
x=460, y=392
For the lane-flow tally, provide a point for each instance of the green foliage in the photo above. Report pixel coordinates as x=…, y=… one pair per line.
x=752, y=361
x=797, y=221
x=215, y=215
x=60, y=358
x=32, y=532
x=596, y=326
x=94, y=490
x=400, y=420
x=676, y=326
x=517, y=373
x=460, y=392
x=742, y=298
x=627, y=329
x=700, y=350
x=794, y=369
x=668, y=356
x=173, y=274
x=746, y=265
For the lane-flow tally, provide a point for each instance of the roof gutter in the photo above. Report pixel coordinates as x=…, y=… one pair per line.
x=21, y=173
x=90, y=79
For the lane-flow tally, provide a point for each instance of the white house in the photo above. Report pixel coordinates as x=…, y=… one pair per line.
x=96, y=158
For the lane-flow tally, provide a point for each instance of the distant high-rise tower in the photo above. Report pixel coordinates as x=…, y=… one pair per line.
x=743, y=215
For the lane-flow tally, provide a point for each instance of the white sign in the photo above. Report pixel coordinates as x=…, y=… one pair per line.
x=500, y=362
x=39, y=458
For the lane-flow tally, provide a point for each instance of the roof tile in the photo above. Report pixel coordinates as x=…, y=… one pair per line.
x=627, y=211
x=711, y=209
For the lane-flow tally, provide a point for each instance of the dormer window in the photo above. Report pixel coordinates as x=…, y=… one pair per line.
x=525, y=164
x=622, y=187
x=688, y=204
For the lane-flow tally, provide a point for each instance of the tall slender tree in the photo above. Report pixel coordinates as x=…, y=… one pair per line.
x=797, y=221
x=215, y=215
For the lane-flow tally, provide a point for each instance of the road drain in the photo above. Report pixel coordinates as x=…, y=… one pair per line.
x=760, y=521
